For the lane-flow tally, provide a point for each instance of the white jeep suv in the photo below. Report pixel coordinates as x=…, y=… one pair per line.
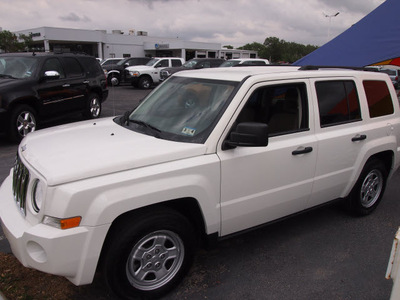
x=207, y=154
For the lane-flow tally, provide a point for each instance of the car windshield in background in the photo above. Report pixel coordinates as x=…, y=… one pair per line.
x=389, y=72
x=190, y=64
x=17, y=67
x=152, y=61
x=229, y=63
x=183, y=109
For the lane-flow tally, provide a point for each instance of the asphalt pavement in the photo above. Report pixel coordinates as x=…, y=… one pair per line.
x=321, y=254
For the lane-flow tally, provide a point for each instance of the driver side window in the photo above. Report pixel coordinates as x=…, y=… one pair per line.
x=53, y=64
x=282, y=107
x=162, y=64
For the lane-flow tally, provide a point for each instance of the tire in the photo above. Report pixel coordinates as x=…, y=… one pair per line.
x=148, y=254
x=114, y=80
x=93, y=107
x=369, y=188
x=145, y=82
x=23, y=120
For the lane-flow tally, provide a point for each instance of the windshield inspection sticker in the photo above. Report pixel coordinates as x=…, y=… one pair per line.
x=188, y=131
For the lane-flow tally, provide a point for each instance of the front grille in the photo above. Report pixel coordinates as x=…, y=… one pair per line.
x=20, y=184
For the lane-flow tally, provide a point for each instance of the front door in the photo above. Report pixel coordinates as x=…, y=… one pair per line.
x=261, y=184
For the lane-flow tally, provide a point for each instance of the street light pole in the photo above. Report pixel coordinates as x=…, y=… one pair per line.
x=330, y=18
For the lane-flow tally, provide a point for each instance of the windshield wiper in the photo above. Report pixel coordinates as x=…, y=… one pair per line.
x=7, y=76
x=147, y=125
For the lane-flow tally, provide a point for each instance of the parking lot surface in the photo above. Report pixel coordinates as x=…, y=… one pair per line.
x=321, y=254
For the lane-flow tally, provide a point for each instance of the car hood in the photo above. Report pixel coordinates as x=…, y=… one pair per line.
x=93, y=148
x=8, y=82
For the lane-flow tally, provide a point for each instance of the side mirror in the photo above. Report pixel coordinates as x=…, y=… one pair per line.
x=51, y=75
x=249, y=134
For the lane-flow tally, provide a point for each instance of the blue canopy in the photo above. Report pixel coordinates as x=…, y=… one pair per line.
x=374, y=40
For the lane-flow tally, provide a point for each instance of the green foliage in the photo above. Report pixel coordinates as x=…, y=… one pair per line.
x=228, y=47
x=9, y=42
x=277, y=50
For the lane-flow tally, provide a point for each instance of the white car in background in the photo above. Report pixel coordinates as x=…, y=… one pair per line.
x=245, y=62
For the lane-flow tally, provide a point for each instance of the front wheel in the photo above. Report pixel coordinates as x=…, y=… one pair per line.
x=93, y=107
x=148, y=254
x=145, y=82
x=369, y=188
x=22, y=121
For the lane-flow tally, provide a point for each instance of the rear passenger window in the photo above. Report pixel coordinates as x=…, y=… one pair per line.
x=337, y=102
x=72, y=67
x=283, y=107
x=378, y=98
x=176, y=62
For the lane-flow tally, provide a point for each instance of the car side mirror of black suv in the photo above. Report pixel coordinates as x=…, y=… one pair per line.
x=51, y=75
x=248, y=134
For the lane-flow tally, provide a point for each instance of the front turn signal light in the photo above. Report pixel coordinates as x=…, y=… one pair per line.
x=62, y=223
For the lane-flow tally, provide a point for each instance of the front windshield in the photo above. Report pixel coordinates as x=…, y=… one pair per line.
x=229, y=63
x=17, y=67
x=152, y=61
x=122, y=62
x=183, y=109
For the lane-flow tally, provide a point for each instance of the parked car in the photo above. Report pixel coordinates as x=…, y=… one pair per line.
x=115, y=72
x=110, y=61
x=208, y=154
x=244, y=62
x=393, y=74
x=36, y=87
x=195, y=63
x=145, y=76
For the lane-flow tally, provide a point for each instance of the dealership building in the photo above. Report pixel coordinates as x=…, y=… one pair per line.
x=103, y=44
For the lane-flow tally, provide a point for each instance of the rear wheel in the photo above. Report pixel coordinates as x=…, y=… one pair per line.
x=114, y=80
x=148, y=254
x=369, y=188
x=93, y=107
x=23, y=121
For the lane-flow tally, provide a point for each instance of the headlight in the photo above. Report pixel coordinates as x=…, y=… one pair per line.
x=134, y=73
x=37, y=195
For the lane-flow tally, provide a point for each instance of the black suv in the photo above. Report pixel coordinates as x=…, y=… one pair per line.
x=195, y=63
x=36, y=87
x=115, y=72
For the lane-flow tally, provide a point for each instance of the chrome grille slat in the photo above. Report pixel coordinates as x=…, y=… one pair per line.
x=20, y=184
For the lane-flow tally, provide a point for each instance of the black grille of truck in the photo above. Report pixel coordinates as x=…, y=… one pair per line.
x=20, y=184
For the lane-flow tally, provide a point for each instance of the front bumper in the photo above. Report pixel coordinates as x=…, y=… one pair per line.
x=72, y=253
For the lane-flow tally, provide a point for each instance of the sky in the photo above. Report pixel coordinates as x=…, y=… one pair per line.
x=228, y=22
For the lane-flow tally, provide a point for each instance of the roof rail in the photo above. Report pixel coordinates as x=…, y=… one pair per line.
x=311, y=67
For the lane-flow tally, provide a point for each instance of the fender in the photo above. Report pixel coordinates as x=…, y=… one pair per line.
x=101, y=200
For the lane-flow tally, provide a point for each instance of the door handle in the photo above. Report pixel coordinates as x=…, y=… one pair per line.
x=359, y=137
x=66, y=85
x=86, y=82
x=302, y=150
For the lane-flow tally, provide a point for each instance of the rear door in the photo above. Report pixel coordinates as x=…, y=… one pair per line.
x=340, y=135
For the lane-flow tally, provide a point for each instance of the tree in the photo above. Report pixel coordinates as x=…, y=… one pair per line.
x=9, y=42
x=277, y=50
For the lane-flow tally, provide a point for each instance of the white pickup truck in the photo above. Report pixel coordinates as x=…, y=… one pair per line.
x=207, y=154
x=145, y=76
